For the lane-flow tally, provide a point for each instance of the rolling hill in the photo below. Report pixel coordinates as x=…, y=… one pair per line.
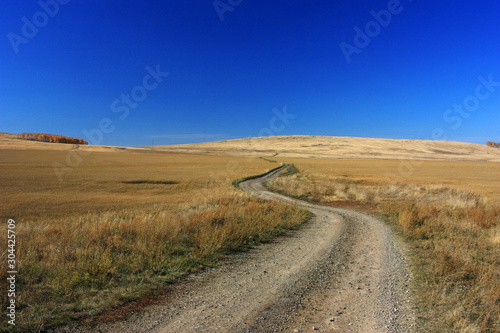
x=342, y=148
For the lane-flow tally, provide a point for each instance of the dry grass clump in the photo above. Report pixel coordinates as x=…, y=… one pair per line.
x=454, y=234
x=77, y=267
x=457, y=261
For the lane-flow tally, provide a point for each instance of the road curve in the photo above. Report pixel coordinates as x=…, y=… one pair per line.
x=341, y=272
x=363, y=286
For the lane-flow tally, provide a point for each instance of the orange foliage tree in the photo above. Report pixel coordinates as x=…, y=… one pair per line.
x=43, y=137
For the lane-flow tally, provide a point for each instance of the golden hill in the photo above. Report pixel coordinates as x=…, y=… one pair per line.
x=299, y=146
x=342, y=148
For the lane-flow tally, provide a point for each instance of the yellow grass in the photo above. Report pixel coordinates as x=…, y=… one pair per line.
x=104, y=181
x=294, y=146
x=125, y=220
x=453, y=233
x=481, y=178
x=120, y=224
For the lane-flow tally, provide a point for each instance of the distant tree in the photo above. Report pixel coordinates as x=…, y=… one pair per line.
x=43, y=137
x=493, y=144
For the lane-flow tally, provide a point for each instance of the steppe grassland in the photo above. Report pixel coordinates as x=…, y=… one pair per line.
x=303, y=146
x=481, y=178
x=120, y=224
x=449, y=213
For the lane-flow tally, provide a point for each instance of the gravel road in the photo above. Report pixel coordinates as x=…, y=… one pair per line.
x=343, y=271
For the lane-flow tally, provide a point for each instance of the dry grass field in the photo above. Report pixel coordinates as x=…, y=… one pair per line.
x=449, y=213
x=113, y=181
x=343, y=148
x=481, y=178
x=124, y=220
x=121, y=224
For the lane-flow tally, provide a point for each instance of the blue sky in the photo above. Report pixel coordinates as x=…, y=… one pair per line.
x=239, y=68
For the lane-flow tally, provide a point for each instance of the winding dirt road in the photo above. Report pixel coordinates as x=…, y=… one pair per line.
x=341, y=272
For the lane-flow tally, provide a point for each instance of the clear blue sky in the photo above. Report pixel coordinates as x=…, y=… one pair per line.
x=65, y=68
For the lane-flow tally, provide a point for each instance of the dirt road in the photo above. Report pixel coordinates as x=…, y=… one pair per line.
x=341, y=272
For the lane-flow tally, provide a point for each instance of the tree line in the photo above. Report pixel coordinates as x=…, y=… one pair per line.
x=43, y=137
